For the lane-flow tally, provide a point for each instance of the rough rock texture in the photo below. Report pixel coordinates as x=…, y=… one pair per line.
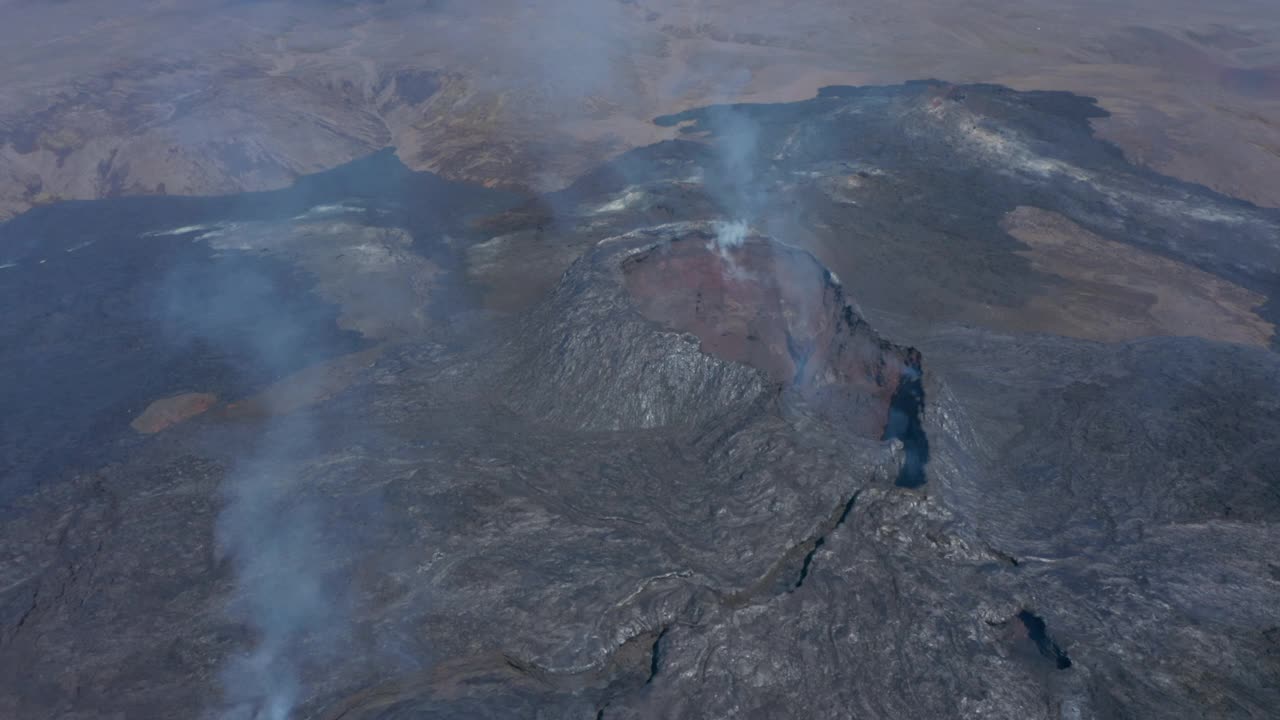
x=773, y=312
x=591, y=360
x=544, y=548
x=579, y=490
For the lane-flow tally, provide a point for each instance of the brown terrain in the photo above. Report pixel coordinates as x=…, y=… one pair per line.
x=305, y=388
x=167, y=412
x=294, y=392
x=1114, y=292
x=180, y=97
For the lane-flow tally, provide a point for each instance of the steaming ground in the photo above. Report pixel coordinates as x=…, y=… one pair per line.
x=631, y=450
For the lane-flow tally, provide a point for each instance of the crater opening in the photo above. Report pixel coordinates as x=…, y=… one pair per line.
x=776, y=308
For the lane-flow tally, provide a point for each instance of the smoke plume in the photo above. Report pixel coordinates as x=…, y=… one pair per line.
x=272, y=529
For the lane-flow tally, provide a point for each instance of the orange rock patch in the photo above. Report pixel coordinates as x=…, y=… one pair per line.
x=305, y=388
x=170, y=411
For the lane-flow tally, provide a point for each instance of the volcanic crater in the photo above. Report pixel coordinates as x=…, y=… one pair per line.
x=774, y=307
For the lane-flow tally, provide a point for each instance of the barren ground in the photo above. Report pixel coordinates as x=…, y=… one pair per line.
x=182, y=97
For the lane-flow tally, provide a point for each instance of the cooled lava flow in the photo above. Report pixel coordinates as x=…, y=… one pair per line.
x=778, y=309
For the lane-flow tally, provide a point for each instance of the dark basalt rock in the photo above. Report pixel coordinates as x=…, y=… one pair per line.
x=646, y=487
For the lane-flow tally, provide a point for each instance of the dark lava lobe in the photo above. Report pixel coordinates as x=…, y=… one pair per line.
x=1038, y=634
x=907, y=424
x=107, y=309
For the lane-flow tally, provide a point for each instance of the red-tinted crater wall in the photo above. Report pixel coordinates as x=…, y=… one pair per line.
x=777, y=309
